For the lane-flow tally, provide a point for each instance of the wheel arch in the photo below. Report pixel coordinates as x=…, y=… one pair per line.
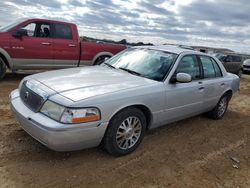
x=100, y=55
x=229, y=92
x=143, y=108
x=6, y=58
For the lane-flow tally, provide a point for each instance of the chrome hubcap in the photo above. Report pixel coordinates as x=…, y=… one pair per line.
x=128, y=132
x=222, y=106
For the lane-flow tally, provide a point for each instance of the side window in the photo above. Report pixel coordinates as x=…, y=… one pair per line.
x=45, y=30
x=30, y=29
x=216, y=68
x=63, y=31
x=236, y=58
x=229, y=58
x=208, y=67
x=38, y=30
x=189, y=65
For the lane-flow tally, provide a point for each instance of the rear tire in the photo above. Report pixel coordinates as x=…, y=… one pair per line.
x=125, y=132
x=3, y=68
x=220, y=109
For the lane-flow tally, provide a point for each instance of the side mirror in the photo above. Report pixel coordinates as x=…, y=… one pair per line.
x=183, y=78
x=20, y=33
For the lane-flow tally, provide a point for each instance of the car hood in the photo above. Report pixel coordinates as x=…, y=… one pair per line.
x=81, y=83
x=246, y=63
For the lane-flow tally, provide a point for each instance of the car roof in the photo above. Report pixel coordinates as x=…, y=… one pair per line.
x=169, y=48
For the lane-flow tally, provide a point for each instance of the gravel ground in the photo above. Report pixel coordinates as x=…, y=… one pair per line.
x=192, y=153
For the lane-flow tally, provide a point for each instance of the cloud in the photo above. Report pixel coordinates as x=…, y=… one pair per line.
x=216, y=23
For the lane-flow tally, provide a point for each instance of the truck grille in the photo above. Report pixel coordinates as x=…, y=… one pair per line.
x=32, y=100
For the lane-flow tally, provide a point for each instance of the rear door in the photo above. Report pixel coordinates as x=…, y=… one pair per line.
x=66, y=45
x=212, y=81
x=33, y=51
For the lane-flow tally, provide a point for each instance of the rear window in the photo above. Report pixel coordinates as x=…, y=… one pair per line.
x=63, y=31
x=216, y=68
x=208, y=67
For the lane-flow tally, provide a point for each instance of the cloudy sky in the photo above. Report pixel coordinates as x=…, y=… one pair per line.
x=215, y=23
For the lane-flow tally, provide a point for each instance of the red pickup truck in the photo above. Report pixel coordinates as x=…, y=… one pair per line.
x=36, y=44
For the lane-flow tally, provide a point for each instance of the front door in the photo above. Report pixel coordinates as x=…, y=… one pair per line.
x=34, y=50
x=185, y=99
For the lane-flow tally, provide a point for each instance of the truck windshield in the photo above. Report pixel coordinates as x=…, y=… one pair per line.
x=152, y=64
x=9, y=26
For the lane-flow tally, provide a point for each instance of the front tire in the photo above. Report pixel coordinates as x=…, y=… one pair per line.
x=3, y=68
x=125, y=132
x=220, y=109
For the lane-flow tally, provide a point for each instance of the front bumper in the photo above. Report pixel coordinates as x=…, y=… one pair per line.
x=55, y=135
x=246, y=68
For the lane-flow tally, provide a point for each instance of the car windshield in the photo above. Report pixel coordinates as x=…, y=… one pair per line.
x=9, y=26
x=152, y=64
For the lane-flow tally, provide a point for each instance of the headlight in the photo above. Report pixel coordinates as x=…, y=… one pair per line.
x=80, y=115
x=52, y=110
x=70, y=115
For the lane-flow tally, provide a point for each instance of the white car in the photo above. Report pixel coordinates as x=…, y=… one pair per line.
x=114, y=104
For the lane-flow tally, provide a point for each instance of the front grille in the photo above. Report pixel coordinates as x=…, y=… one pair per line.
x=246, y=66
x=32, y=100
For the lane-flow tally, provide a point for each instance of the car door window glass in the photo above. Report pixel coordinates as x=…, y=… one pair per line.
x=216, y=68
x=63, y=31
x=229, y=58
x=236, y=58
x=189, y=65
x=30, y=29
x=44, y=30
x=208, y=67
x=38, y=30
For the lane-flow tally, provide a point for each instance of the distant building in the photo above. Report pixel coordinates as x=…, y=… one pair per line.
x=211, y=50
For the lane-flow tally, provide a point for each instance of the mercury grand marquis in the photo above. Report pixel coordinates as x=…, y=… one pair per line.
x=115, y=103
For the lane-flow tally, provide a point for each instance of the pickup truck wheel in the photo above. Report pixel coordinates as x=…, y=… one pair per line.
x=100, y=60
x=3, y=68
x=125, y=132
x=221, y=107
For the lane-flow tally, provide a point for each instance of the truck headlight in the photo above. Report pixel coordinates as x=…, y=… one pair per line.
x=70, y=115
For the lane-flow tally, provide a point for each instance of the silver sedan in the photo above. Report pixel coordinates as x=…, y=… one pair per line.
x=114, y=104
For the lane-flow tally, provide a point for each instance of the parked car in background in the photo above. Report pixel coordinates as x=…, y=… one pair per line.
x=35, y=44
x=246, y=66
x=115, y=103
x=232, y=62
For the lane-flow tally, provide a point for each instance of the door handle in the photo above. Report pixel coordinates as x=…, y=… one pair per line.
x=201, y=88
x=223, y=84
x=72, y=45
x=45, y=43
x=200, y=82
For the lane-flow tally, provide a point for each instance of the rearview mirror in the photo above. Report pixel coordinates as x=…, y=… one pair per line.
x=20, y=33
x=183, y=78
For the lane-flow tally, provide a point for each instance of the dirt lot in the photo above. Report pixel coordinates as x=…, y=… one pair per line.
x=191, y=153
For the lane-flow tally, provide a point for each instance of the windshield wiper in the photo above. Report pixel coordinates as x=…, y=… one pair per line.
x=111, y=66
x=131, y=71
